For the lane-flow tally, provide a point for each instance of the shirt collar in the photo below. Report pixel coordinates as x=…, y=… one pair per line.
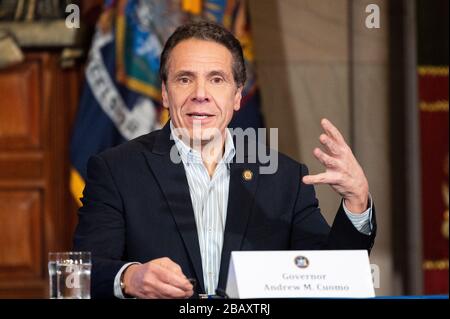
x=189, y=155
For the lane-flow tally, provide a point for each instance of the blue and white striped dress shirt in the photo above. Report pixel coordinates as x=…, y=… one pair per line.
x=209, y=197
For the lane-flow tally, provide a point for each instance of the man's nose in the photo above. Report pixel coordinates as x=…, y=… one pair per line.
x=200, y=92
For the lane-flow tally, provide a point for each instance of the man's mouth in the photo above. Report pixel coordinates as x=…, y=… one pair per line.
x=199, y=115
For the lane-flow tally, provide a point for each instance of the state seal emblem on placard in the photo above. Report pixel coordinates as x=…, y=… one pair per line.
x=301, y=262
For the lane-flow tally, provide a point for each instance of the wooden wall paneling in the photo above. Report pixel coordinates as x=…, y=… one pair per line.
x=38, y=102
x=20, y=107
x=22, y=176
x=20, y=212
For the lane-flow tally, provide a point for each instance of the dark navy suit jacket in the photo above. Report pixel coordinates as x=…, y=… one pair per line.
x=137, y=207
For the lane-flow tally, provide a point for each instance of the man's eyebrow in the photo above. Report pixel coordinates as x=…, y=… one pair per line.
x=184, y=73
x=219, y=73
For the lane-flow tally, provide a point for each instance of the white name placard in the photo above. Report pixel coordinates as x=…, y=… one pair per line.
x=300, y=274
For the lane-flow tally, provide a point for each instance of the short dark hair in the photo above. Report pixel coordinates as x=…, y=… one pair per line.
x=209, y=31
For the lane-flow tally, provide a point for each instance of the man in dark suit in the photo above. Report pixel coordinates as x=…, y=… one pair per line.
x=172, y=205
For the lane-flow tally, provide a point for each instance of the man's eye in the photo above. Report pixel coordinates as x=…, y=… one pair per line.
x=184, y=80
x=217, y=80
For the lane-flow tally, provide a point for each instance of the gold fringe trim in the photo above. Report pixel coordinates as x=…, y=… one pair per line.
x=438, y=106
x=192, y=6
x=435, y=264
x=143, y=87
x=433, y=70
x=76, y=185
x=164, y=117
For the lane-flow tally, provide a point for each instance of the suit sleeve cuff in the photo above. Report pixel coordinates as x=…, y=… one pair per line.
x=117, y=289
x=362, y=222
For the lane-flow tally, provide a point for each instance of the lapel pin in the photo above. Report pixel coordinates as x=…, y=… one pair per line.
x=247, y=175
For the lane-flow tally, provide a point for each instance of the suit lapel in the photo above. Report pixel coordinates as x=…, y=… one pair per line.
x=240, y=202
x=172, y=180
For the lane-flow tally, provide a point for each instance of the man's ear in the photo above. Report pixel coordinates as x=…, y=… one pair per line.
x=238, y=98
x=165, y=98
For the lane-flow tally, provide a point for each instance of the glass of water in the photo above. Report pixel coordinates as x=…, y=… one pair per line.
x=71, y=271
x=52, y=258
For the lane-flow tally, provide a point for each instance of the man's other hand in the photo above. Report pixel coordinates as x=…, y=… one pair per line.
x=342, y=171
x=158, y=279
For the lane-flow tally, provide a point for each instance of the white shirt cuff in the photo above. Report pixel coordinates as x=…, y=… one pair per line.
x=117, y=289
x=362, y=222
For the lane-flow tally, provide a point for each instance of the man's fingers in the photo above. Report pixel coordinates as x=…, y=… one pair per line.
x=332, y=131
x=180, y=281
x=322, y=178
x=325, y=159
x=165, y=262
x=331, y=146
x=169, y=272
x=168, y=291
x=174, y=268
x=170, y=265
x=315, y=179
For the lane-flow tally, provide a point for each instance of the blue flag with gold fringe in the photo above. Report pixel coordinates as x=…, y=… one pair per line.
x=121, y=98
